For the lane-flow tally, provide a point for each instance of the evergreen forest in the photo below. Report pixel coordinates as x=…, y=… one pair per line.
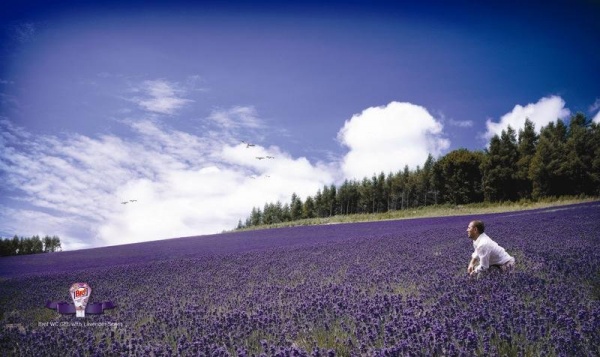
x=562, y=160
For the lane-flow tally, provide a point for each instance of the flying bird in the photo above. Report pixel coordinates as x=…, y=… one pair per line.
x=132, y=200
x=270, y=157
x=248, y=144
x=124, y=202
x=260, y=157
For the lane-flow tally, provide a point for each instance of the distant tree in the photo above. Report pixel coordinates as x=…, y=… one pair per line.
x=457, y=177
x=527, y=144
x=425, y=186
x=37, y=246
x=397, y=192
x=286, y=213
x=16, y=245
x=547, y=171
x=278, y=212
x=366, y=202
x=331, y=196
x=578, y=164
x=256, y=217
x=296, y=207
x=387, y=189
x=26, y=246
x=407, y=193
x=308, y=209
x=5, y=247
x=499, y=167
x=595, y=171
x=379, y=193
x=348, y=197
x=56, y=244
x=269, y=215
x=47, y=241
x=413, y=197
x=320, y=204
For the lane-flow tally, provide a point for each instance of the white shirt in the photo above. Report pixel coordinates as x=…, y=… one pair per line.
x=489, y=253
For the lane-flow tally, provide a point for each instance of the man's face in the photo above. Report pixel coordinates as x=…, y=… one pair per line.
x=472, y=231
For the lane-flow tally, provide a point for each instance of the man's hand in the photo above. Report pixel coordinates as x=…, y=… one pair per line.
x=471, y=266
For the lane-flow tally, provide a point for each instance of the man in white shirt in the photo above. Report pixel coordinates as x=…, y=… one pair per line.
x=487, y=252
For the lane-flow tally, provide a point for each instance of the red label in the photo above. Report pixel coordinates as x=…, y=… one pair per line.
x=81, y=292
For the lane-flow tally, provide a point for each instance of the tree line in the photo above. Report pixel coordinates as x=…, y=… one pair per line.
x=29, y=245
x=563, y=159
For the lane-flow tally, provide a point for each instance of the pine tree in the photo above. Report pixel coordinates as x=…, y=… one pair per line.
x=296, y=207
x=527, y=144
x=595, y=170
x=256, y=216
x=499, y=167
x=579, y=148
x=546, y=171
x=308, y=209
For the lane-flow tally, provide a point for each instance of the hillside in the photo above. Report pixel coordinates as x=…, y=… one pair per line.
x=395, y=287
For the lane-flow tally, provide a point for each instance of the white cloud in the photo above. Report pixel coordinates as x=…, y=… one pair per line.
x=237, y=117
x=389, y=137
x=160, y=96
x=596, y=107
x=461, y=123
x=542, y=113
x=183, y=184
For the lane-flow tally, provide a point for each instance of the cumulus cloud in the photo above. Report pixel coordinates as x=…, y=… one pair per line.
x=160, y=96
x=181, y=184
x=542, y=113
x=389, y=137
x=596, y=108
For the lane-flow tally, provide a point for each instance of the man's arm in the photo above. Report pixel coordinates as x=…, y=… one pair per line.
x=472, y=263
x=483, y=252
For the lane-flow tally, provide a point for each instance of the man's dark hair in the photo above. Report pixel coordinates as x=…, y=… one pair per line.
x=479, y=225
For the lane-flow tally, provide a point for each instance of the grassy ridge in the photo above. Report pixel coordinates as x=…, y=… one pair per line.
x=434, y=211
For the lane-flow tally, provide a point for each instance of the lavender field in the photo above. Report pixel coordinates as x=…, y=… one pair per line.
x=393, y=288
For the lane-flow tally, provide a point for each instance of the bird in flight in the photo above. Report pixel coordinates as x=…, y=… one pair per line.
x=248, y=144
x=260, y=157
x=124, y=202
x=270, y=157
x=132, y=200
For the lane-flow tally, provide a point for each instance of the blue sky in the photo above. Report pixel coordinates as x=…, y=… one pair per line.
x=106, y=102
